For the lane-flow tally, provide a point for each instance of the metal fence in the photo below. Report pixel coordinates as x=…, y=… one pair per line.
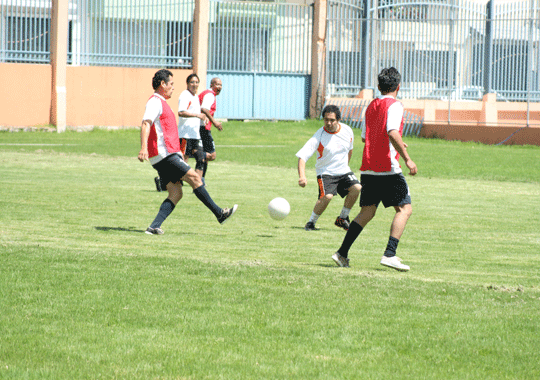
x=24, y=31
x=353, y=114
x=449, y=50
x=259, y=37
x=132, y=33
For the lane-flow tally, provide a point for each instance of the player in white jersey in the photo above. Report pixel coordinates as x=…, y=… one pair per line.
x=333, y=144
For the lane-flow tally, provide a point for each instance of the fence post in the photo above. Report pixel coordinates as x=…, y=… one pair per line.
x=200, y=39
x=59, y=41
x=365, y=60
x=318, y=52
x=488, y=58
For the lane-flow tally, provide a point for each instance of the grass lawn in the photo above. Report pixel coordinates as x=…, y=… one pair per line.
x=85, y=294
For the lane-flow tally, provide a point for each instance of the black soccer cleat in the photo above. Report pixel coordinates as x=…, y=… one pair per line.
x=343, y=223
x=226, y=214
x=310, y=226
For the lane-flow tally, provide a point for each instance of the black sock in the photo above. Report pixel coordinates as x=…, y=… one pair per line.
x=164, y=211
x=205, y=198
x=350, y=237
x=391, y=247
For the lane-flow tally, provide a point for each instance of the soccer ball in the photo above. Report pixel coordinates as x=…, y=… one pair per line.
x=278, y=208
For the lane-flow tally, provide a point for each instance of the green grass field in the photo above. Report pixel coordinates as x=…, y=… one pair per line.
x=85, y=294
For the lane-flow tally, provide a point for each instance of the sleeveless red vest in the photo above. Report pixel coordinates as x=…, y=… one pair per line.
x=376, y=156
x=169, y=130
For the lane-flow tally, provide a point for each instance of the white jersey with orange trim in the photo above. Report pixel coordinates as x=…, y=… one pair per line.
x=188, y=127
x=332, y=150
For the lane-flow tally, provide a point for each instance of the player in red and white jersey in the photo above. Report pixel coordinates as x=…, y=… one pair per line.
x=161, y=146
x=381, y=176
x=208, y=107
x=334, y=145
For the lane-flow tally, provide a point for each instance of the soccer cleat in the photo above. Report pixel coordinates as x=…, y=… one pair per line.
x=343, y=223
x=157, y=180
x=310, y=226
x=226, y=214
x=393, y=262
x=340, y=260
x=154, y=231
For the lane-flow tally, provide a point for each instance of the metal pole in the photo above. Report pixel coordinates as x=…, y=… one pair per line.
x=488, y=52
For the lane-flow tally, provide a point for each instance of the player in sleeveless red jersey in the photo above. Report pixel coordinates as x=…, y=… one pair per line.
x=161, y=146
x=381, y=175
x=208, y=102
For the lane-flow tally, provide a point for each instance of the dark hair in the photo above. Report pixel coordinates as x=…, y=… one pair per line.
x=389, y=80
x=332, y=109
x=190, y=76
x=161, y=75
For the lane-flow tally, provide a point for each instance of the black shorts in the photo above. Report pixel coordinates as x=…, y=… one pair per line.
x=171, y=169
x=207, y=140
x=187, y=146
x=391, y=190
x=339, y=184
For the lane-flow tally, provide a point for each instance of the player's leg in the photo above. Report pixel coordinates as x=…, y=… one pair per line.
x=208, y=147
x=327, y=190
x=402, y=204
x=369, y=201
x=349, y=187
x=169, y=175
x=195, y=181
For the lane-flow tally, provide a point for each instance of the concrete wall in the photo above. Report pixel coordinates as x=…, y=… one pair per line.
x=97, y=96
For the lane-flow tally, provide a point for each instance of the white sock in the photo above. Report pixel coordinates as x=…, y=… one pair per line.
x=344, y=212
x=314, y=217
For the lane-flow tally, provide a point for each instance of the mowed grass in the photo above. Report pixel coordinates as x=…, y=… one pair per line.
x=85, y=294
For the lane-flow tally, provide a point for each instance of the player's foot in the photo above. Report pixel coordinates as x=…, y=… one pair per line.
x=157, y=180
x=395, y=263
x=340, y=260
x=154, y=231
x=343, y=223
x=310, y=226
x=227, y=213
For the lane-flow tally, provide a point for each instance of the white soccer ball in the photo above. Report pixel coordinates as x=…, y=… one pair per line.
x=279, y=208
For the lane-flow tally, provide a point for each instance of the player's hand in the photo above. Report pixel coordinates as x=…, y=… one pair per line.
x=218, y=126
x=143, y=155
x=412, y=167
x=302, y=182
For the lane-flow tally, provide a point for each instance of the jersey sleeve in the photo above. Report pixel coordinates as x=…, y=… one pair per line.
x=309, y=148
x=207, y=101
x=153, y=109
x=395, y=115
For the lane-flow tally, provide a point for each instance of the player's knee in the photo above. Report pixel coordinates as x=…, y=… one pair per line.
x=355, y=188
x=193, y=179
x=328, y=197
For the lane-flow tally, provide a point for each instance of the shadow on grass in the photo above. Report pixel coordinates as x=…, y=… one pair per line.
x=131, y=229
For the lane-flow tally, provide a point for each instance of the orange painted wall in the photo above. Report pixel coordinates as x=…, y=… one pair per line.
x=25, y=94
x=97, y=96
x=110, y=96
x=484, y=134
